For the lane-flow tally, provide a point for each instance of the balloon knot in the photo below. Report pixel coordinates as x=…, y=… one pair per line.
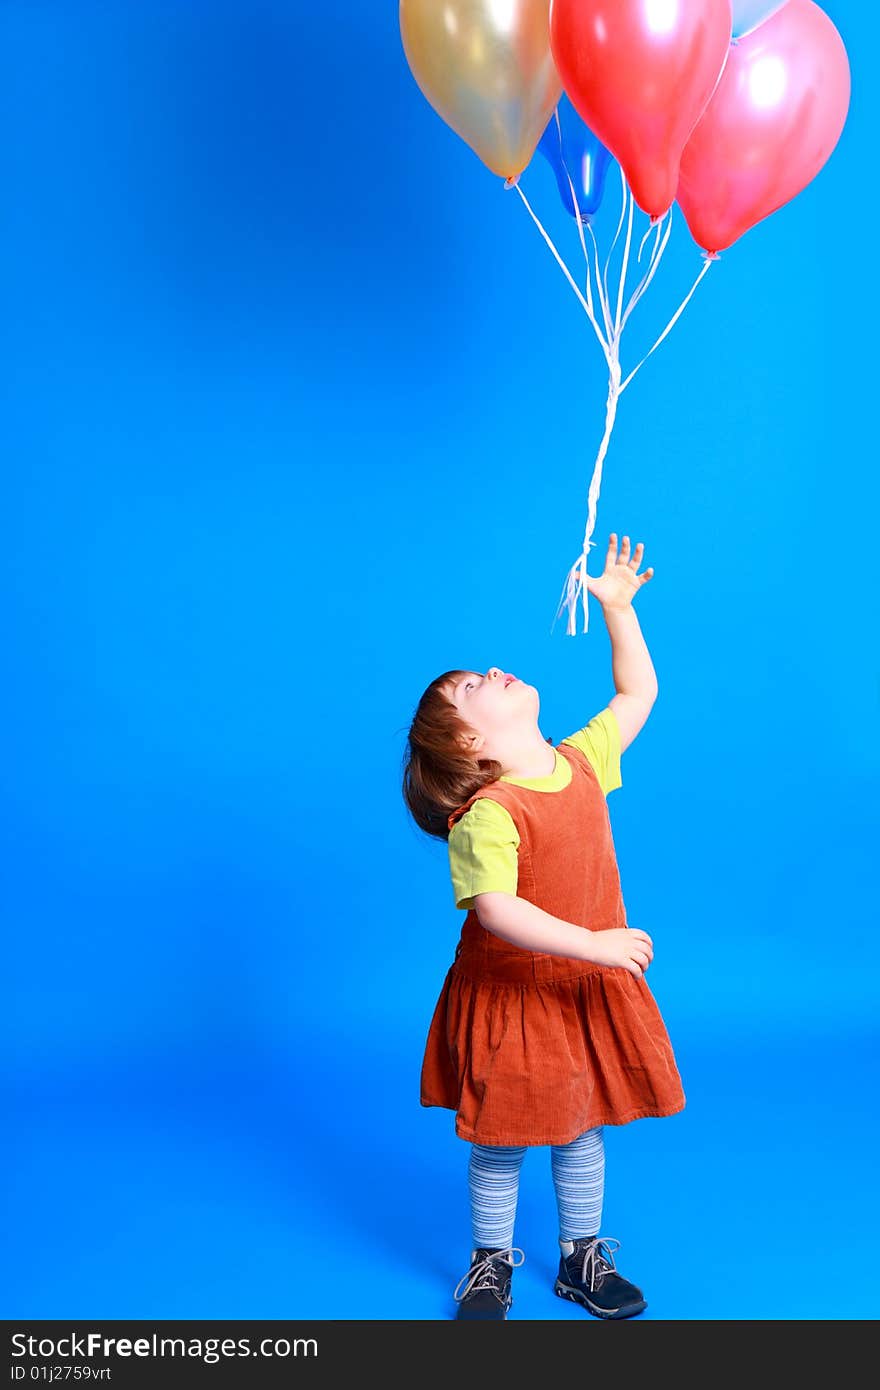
x=512, y=181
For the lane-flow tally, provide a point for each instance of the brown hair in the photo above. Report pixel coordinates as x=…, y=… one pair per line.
x=438, y=774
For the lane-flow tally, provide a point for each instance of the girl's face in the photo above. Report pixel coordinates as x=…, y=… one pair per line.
x=495, y=705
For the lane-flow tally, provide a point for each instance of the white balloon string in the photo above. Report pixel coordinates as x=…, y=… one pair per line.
x=623, y=189
x=574, y=202
x=657, y=229
x=645, y=238
x=656, y=257
x=574, y=589
x=602, y=300
x=564, y=268
x=588, y=286
x=669, y=325
x=629, y=227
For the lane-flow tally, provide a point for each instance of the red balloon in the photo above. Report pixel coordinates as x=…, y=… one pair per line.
x=639, y=73
x=773, y=120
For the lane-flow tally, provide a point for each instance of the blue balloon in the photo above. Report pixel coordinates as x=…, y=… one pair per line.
x=748, y=14
x=572, y=146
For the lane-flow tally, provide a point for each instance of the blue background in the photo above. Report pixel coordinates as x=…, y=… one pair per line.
x=299, y=412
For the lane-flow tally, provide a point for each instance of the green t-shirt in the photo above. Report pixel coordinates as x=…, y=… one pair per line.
x=483, y=842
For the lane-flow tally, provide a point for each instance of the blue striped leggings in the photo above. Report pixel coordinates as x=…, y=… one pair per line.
x=578, y=1171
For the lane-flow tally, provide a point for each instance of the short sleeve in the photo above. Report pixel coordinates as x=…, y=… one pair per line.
x=483, y=858
x=600, y=742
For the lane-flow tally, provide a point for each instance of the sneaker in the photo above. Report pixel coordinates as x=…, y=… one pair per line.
x=587, y=1275
x=486, y=1294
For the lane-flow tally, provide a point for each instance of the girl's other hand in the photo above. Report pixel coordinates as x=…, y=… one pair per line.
x=626, y=946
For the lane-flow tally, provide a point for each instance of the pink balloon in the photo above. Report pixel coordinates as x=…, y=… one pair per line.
x=771, y=124
x=639, y=73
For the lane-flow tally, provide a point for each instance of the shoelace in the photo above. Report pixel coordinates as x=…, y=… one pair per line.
x=597, y=1263
x=483, y=1273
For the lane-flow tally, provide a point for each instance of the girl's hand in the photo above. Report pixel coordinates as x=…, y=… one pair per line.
x=616, y=586
x=626, y=946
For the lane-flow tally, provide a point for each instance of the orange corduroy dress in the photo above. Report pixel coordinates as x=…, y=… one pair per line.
x=532, y=1048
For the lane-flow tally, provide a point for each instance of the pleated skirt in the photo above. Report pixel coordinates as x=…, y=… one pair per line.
x=543, y=1048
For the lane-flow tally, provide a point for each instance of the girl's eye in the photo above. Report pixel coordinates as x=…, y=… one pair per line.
x=468, y=684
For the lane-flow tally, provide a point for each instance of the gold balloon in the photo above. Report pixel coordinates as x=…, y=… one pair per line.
x=486, y=68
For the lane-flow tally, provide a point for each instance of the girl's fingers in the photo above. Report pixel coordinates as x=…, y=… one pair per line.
x=638, y=553
x=624, y=558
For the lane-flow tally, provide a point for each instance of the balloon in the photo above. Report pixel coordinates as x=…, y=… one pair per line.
x=640, y=73
x=573, y=152
x=748, y=14
x=486, y=68
x=773, y=121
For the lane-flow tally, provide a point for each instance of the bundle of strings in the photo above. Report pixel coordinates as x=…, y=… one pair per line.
x=609, y=334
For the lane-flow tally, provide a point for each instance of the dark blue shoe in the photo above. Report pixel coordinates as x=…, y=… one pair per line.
x=486, y=1295
x=587, y=1275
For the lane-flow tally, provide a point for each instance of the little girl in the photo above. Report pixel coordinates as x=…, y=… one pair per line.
x=545, y=1029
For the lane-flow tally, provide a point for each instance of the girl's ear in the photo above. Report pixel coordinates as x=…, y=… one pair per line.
x=470, y=745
